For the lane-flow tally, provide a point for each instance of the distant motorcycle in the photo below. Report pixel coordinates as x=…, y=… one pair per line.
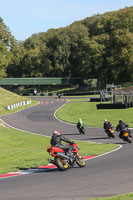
x=59, y=95
x=64, y=161
x=110, y=132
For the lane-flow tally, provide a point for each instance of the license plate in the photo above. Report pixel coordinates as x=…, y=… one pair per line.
x=125, y=134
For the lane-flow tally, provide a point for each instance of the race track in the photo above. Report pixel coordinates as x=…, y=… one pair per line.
x=107, y=175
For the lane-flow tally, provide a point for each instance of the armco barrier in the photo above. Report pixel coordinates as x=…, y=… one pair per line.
x=22, y=103
x=111, y=106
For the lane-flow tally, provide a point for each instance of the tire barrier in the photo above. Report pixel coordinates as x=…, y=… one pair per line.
x=98, y=99
x=111, y=106
x=16, y=105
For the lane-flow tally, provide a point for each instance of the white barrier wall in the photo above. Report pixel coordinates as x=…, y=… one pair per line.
x=13, y=106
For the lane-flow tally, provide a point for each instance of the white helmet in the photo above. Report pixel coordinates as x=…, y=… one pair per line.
x=56, y=133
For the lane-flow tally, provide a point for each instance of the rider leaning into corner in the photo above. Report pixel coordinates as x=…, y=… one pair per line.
x=122, y=127
x=56, y=141
x=80, y=123
x=107, y=125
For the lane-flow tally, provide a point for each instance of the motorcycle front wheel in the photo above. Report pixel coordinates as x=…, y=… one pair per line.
x=61, y=163
x=82, y=131
x=80, y=161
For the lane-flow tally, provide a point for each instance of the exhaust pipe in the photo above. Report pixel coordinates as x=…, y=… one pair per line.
x=62, y=155
x=51, y=161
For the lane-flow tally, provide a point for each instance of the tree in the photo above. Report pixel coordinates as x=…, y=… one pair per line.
x=7, y=42
x=99, y=47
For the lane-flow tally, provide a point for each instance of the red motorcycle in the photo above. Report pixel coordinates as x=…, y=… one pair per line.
x=64, y=161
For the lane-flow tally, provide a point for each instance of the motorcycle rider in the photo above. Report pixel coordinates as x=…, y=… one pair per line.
x=122, y=127
x=107, y=125
x=56, y=141
x=80, y=123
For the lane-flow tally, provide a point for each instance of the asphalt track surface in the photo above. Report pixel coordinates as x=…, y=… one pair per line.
x=107, y=175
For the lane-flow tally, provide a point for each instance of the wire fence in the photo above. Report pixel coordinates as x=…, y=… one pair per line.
x=124, y=98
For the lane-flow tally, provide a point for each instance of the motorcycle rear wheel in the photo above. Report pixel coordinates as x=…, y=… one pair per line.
x=80, y=161
x=61, y=163
x=110, y=134
x=83, y=132
x=128, y=139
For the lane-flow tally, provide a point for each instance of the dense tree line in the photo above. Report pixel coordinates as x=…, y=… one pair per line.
x=99, y=47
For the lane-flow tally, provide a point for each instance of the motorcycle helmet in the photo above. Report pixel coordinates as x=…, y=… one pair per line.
x=56, y=133
x=120, y=121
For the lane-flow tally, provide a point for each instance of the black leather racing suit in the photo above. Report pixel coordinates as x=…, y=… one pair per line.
x=121, y=127
x=107, y=125
x=56, y=141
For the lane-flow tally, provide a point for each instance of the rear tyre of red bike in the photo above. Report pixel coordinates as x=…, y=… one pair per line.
x=61, y=164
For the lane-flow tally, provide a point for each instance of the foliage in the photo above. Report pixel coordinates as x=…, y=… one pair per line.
x=7, y=44
x=98, y=47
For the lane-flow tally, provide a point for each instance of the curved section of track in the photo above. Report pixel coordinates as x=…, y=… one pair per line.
x=107, y=175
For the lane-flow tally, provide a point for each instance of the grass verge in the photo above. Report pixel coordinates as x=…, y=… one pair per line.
x=9, y=98
x=119, y=197
x=92, y=117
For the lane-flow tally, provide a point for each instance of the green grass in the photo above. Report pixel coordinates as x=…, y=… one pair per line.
x=119, y=197
x=9, y=98
x=20, y=150
x=71, y=112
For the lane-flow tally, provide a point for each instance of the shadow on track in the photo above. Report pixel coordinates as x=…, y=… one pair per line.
x=71, y=134
x=96, y=138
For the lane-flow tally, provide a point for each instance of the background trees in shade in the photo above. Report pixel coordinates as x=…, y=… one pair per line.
x=99, y=47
